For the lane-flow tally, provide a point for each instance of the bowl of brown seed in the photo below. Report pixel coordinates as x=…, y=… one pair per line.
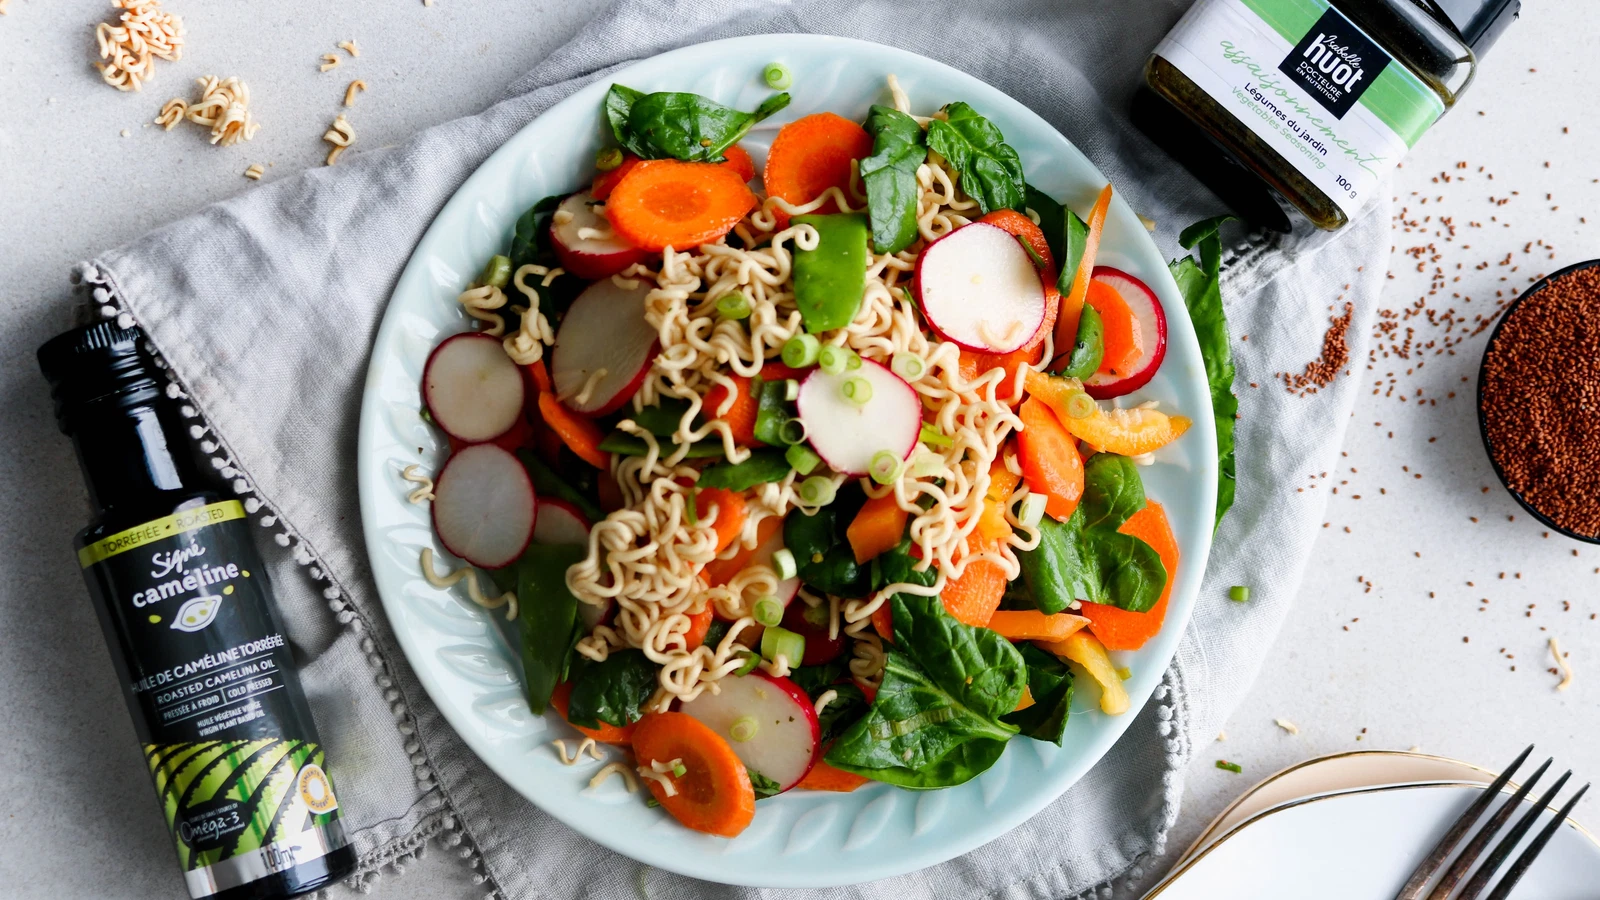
x=1539, y=400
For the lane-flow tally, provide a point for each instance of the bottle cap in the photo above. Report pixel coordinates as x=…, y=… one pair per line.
x=1478, y=22
x=94, y=363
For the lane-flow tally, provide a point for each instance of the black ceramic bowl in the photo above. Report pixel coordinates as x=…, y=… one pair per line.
x=1483, y=425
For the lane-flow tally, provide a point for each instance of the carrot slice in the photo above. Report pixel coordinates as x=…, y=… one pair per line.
x=719, y=572
x=1072, y=303
x=606, y=182
x=1117, y=628
x=1013, y=222
x=699, y=625
x=1033, y=625
x=824, y=777
x=739, y=161
x=1050, y=461
x=741, y=416
x=730, y=514
x=1124, y=345
x=666, y=203
x=876, y=528
x=540, y=376
x=974, y=597
x=883, y=622
x=605, y=734
x=713, y=794
x=810, y=155
x=992, y=524
x=577, y=432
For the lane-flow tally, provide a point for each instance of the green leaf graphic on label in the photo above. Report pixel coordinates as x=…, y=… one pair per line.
x=197, y=612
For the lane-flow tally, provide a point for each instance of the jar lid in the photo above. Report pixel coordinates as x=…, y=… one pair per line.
x=1478, y=22
x=95, y=362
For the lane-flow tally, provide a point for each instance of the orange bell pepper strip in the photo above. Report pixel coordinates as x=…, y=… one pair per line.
x=1033, y=625
x=1072, y=301
x=877, y=528
x=582, y=435
x=1117, y=628
x=1050, y=462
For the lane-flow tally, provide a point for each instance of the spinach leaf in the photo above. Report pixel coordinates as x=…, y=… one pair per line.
x=822, y=551
x=820, y=677
x=959, y=766
x=897, y=566
x=633, y=445
x=990, y=170
x=945, y=686
x=548, y=614
x=614, y=691
x=1086, y=557
x=618, y=104
x=528, y=238
x=890, y=176
x=1050, y=684
x=772, y=412
x=677, y=125
x=765, y=787
x=662, y=420
x=842, y=711
x=1074, y=240
x=546, y=483
x=762, y=466
x=1202, y=294
x=1052, y=217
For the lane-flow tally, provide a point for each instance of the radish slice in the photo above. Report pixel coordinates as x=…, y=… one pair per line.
x=848, y=435
x=484, y=507
x=473, y=390
x=604, y=332
x=769, y=722
x=560, y=523
x=1152, y=328
x=978, y=288
x=585, y=243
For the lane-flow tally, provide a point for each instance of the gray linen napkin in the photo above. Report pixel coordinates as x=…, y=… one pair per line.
x=265, y=307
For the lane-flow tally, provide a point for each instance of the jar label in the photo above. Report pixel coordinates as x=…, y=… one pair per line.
x=226, y=732
x=1308, y=82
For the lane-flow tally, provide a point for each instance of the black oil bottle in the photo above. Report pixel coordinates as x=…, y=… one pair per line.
x=194, y=633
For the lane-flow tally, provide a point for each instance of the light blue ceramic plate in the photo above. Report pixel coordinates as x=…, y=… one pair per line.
x=467, y=659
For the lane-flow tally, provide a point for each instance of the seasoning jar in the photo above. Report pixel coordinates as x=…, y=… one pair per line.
x=1319, y=99
x=196, y=638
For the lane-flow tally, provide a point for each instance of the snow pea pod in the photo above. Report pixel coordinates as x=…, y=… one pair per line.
x=830, y=280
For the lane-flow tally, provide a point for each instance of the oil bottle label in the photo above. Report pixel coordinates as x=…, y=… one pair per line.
x=1308, y=82
x=209, y=676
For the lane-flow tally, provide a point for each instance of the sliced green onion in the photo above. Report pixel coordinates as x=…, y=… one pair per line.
x=926, y=463
x=908, y=365
x=1233, y=767
x=755, y=387
x=608, y=159
x=791, y=389
x=833, y=360
x=816, y=615
x=852, y=362
x=1032, y=510
x=691, y=509
x=778, y=641
x=744, y=728
x=884, y=468
x=1081, y=406
x=768, y=611
x=933, y=438
x=650, y=803
x=678, y=770
x=783, y=563
x=792, y=431
x=734, y=306
x=1238, y=593
x=818, y=490
x=497, y=272
x=801, y=350
x=857, y=390
x=751, y=660
x=1124, y=672
x=802, y=459
x=777, y=76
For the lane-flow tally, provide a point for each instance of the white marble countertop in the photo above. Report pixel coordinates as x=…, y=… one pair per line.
x=1388, y=646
